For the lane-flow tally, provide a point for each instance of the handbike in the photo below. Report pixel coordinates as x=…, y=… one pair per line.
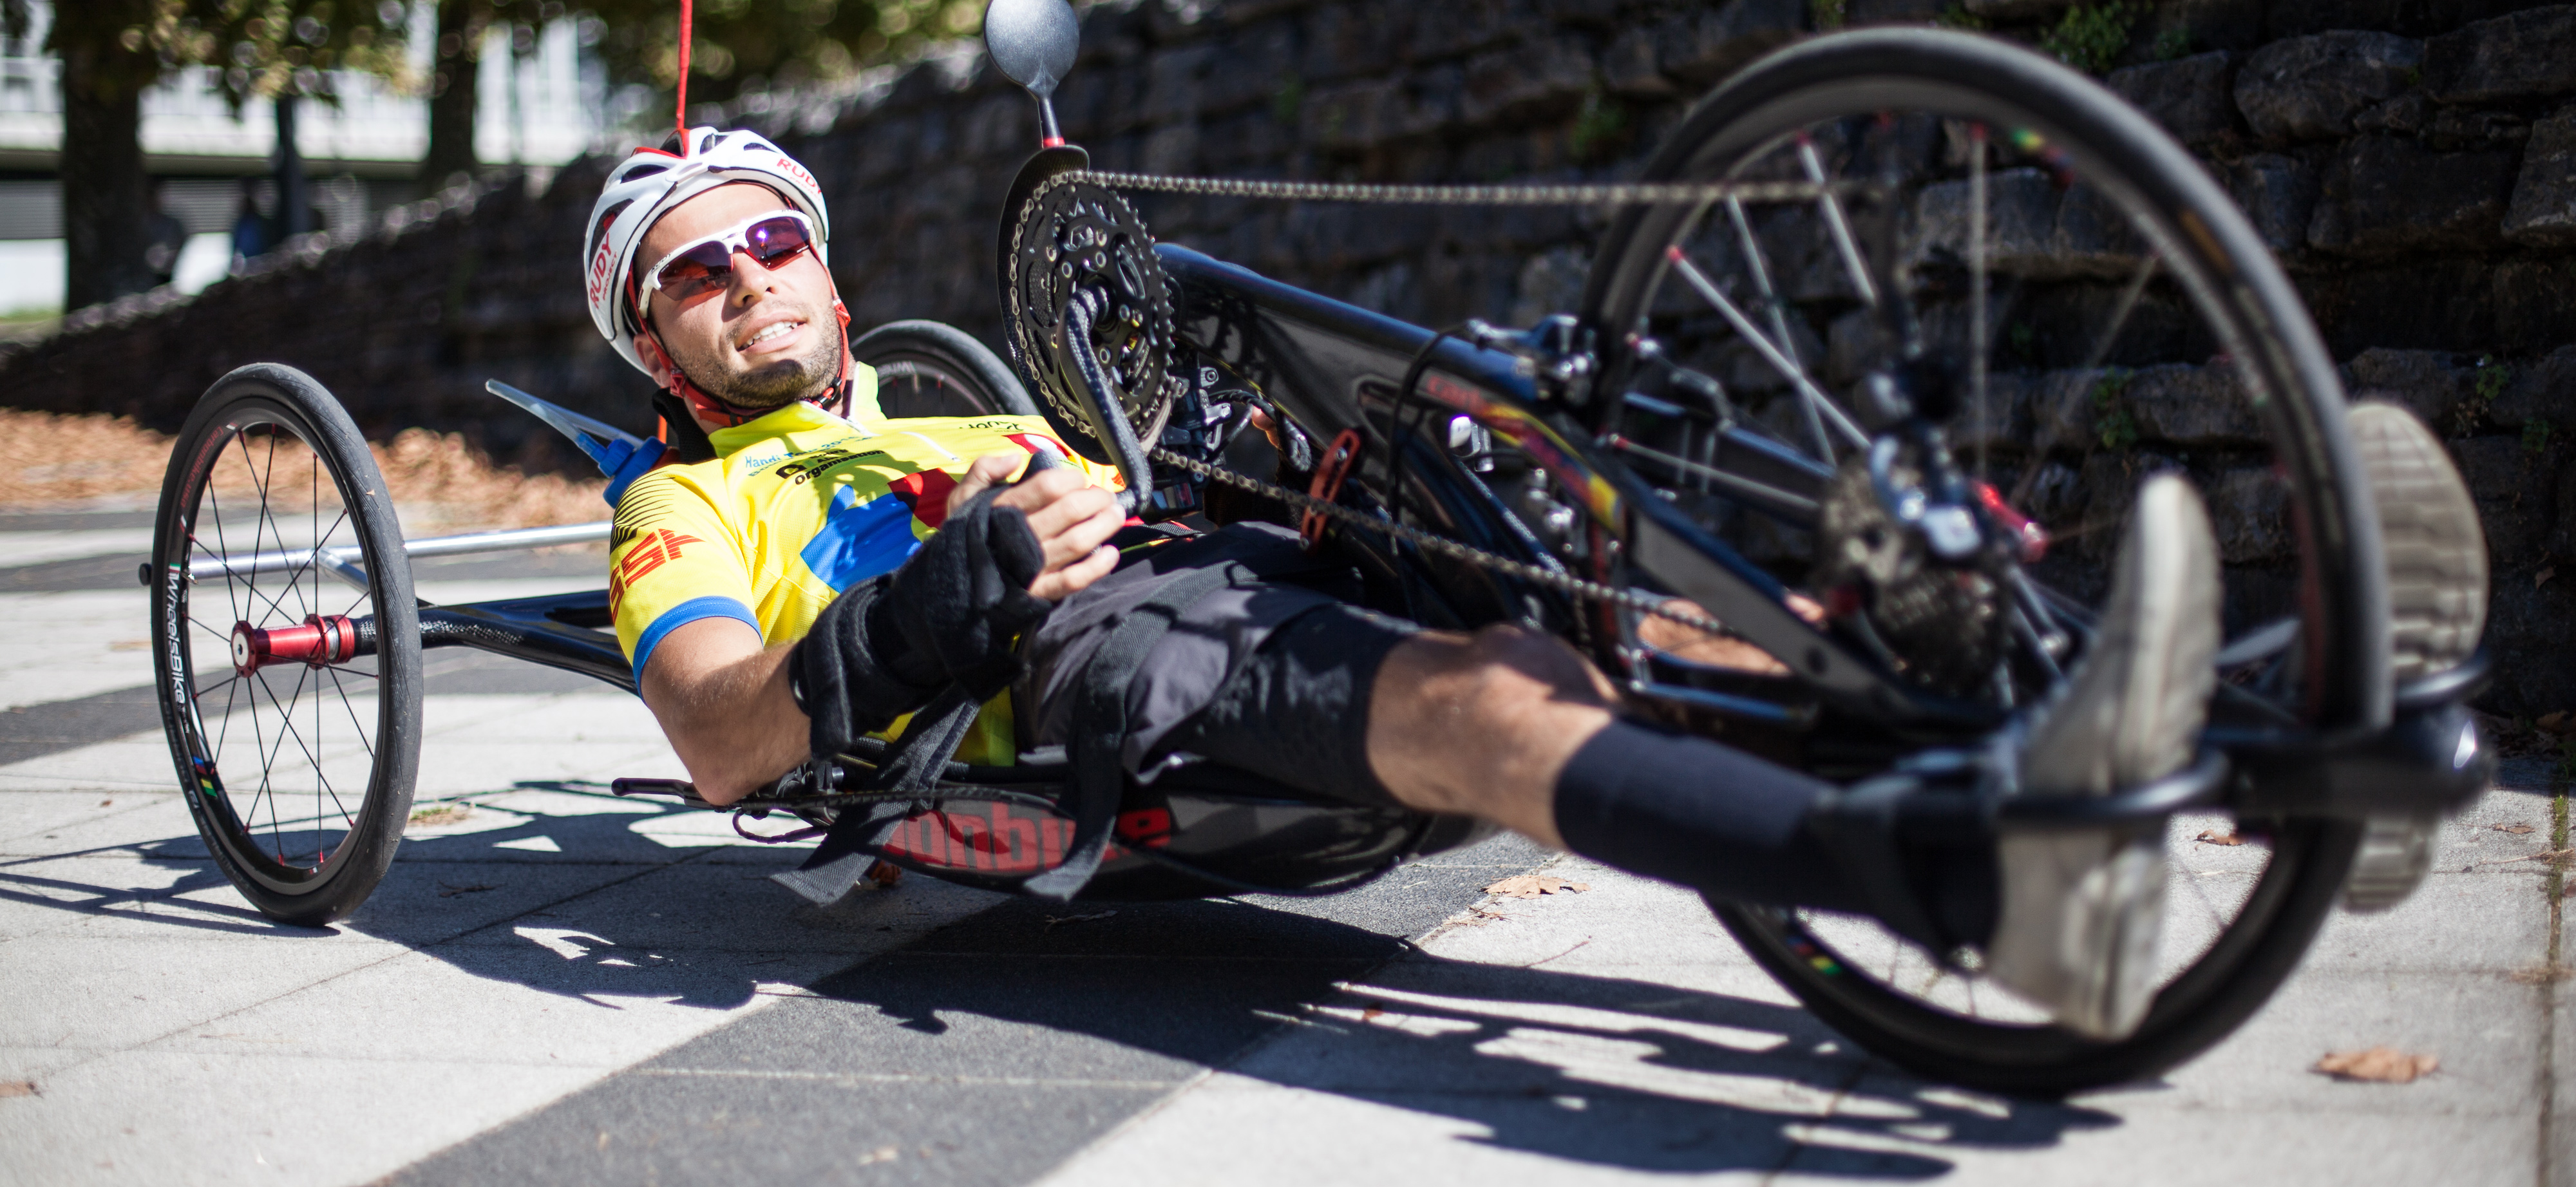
x=1888, y=328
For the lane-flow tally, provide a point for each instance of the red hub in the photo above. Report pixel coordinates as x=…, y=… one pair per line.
x=324, y=639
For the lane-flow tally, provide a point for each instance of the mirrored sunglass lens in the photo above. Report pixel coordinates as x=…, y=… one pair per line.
x=695, y=268
x=773, y=238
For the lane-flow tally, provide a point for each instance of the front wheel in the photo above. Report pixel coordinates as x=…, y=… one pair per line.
x=286, y=645
x=2067, y=299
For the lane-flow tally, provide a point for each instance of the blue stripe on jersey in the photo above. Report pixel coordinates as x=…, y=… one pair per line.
x=860, y=540
x=711, y=606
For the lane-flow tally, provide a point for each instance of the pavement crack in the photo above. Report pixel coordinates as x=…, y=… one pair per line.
x=2553, y=888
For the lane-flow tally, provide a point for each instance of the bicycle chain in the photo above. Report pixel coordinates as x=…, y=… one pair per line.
x=1562, y=582
x=1549, y=194
x=1633, y=193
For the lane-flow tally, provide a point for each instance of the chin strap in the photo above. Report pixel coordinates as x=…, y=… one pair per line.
x=713, y=409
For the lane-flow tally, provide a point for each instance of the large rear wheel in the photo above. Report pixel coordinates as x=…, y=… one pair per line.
x=286, y=645
x=928, y=368
x=2079, y=305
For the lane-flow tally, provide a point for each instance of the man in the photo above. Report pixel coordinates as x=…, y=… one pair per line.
x=811, y=572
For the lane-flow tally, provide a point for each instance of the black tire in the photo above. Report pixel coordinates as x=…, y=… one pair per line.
x=926, y=368
x=1867, y=84
x=269, y=463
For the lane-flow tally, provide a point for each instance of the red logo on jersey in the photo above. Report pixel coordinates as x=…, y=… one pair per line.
x=651, y=549
x=926, y=492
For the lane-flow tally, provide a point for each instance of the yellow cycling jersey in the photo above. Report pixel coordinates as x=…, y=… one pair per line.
x=797, y=506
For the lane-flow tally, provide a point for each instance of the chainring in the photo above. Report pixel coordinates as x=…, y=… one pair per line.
x=1077, y=235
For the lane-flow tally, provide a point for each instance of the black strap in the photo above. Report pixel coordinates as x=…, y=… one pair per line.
x=913, y=764
x=1100, y=722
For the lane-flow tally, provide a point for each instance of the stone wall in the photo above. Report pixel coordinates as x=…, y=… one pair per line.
x=2413, y=162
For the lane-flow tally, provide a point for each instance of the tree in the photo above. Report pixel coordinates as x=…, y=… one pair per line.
x=738, y=45
x=112, y=51
x=106, y=67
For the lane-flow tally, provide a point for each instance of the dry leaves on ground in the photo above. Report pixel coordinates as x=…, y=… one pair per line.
x=2560, y=722
x=2211, y=836
x=432, y=817
x=2384, y=1065
x=51, y=459
x=2518, y=830
x=17, y=1088
x=1534, y=885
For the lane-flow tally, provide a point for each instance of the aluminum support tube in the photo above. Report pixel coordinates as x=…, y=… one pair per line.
x=342, y=562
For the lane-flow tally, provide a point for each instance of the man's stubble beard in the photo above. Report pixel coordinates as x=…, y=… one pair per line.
x=773, y=385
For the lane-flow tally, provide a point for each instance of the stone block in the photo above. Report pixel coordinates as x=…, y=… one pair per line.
x=2527, y=635
x=2013, y=10
x=2430, y=383
x=2033, y=228
x=1549, y=72
x=2182, y=404
x=2543, y=391
x=2543, y=209
x=1630, y=66
x=2205, y=24
x=1858, y=13
x=2309, y=88
x=1354, y=41
x=2516, y=493
x=2383, y=195
x=2444, y=302
x=2508, y=57
x=2535, y=305
x=2249, y=511
x=1708, y=45
x=1365, y=115
x=2317, y=16
x=2278, y=193
x=2189, y=96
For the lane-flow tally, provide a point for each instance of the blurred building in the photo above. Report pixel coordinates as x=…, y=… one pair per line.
x=542, y=103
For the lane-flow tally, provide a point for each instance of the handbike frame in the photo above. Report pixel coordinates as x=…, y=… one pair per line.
x=1331, y=367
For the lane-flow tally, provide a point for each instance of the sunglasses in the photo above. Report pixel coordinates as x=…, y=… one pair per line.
x=706, y=265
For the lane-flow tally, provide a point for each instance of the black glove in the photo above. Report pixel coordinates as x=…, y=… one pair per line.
x=952, y=614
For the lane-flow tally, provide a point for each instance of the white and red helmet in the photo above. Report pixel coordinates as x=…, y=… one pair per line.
x=646, y=185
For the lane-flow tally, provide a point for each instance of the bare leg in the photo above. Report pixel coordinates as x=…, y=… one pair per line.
x=1483, y=724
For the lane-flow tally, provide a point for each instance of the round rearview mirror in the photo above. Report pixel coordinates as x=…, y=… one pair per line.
x=1033, y=41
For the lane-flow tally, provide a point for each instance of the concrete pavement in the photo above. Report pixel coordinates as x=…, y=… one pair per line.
x=565, y=987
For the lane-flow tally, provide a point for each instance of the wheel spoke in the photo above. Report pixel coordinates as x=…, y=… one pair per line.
x=2127, y=304
x=352, y=710
x=1744, y=328
x=1832, y=208
x=1773, y=310
x=1978, y=339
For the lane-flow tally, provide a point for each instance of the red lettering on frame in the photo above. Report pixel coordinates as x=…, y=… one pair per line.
x=1147, y=828
x=1015, y=842
x=974, y=834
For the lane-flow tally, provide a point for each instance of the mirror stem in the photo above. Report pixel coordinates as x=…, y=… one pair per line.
x=1049, y=135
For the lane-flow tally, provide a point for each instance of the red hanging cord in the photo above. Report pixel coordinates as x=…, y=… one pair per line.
x=683, y=119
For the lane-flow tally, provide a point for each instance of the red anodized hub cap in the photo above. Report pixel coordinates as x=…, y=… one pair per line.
x=324, y=639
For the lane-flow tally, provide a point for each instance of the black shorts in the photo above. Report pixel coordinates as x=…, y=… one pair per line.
x=1270, y=673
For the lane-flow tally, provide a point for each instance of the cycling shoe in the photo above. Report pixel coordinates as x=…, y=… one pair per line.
x=2437, y=604
x=2083, y=911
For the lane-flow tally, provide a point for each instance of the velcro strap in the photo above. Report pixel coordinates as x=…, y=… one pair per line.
x=1099, y=722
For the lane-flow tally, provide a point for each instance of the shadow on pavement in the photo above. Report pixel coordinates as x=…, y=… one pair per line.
x=1026, y=1003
